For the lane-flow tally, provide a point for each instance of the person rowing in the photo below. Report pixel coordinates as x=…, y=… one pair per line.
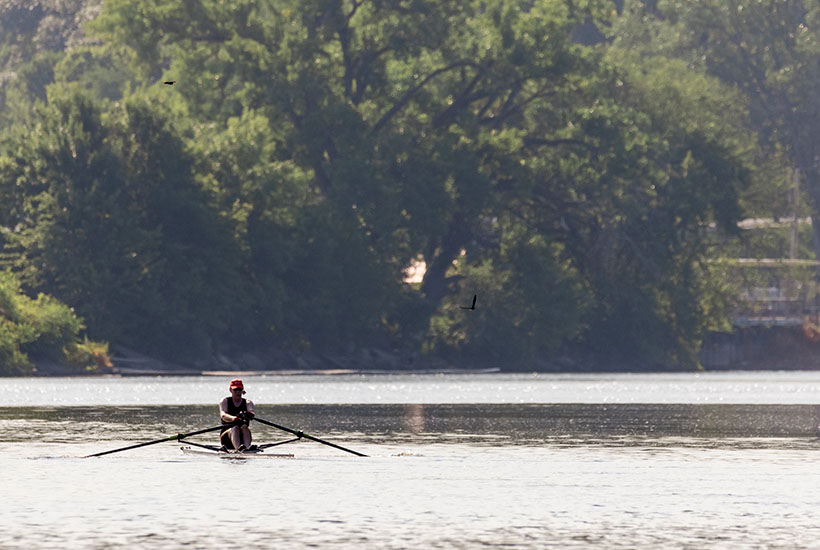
x=236, y=412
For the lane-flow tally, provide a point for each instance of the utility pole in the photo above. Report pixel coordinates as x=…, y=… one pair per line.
x=793, y=205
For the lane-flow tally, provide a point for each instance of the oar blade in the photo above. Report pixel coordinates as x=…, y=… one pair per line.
x=300, y=433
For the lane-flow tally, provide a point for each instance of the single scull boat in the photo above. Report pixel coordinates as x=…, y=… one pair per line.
x=239, y=455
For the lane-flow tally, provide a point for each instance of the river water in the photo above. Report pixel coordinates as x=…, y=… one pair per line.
x=718, y=460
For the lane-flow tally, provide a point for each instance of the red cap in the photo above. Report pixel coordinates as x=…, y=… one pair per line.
x=237, y=383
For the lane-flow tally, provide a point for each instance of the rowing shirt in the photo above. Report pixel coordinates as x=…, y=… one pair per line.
x=233, y=410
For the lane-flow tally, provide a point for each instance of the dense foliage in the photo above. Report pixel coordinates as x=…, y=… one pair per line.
x=768, y=53
x=41, y=328
x=310, y=151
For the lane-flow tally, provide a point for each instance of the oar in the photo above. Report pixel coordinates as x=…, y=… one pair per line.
x=176, y=437
x=300, y=433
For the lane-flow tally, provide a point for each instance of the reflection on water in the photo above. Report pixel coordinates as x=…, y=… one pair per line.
x=414, y=418
x=413, y=424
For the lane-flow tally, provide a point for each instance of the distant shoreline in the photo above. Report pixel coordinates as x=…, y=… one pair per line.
x=154, y=367
x=769, y=348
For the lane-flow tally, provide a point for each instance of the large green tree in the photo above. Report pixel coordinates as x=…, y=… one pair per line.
x=311, y=150
x=107, y=216
x=768, y=52
x=407, y=118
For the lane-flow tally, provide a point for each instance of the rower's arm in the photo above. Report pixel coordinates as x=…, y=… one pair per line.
x=223, y=412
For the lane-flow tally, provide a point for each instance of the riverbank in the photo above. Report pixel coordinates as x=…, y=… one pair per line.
x=128, y=362
x=758, y=348
x=763, y=348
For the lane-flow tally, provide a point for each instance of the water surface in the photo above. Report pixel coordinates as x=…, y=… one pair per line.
x=760, y=387
x=454, y=462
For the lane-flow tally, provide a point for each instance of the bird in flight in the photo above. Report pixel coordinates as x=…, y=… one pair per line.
x=170, y=82
x=472, y=307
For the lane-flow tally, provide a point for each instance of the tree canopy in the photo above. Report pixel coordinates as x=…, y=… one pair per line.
x=310, y=151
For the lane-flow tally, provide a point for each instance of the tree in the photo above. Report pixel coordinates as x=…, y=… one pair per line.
x=107, y=216
x=477, y=137
x=689, y=159
x=768, y=51
x=405, y=119
x=41, y=328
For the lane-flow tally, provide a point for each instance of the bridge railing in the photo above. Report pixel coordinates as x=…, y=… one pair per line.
x=774, y=292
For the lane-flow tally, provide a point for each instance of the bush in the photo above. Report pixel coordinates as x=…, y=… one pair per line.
x=53, y=326
x=41, y=328
x=88, y=355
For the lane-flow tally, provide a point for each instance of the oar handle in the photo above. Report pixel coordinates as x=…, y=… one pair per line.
x=300, y=433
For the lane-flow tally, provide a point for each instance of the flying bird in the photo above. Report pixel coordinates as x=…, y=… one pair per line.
x=472, y=307
x=170, y=82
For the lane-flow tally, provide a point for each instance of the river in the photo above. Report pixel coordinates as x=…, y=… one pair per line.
x=530, y=461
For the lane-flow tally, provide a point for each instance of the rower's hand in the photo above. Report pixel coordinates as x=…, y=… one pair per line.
x=249, y=415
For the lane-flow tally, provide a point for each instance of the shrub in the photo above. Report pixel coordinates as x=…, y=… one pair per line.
x=42, y=328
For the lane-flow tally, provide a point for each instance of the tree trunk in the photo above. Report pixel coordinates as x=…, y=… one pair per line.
x=434, y=285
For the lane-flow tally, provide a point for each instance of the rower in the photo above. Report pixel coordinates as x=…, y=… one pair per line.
x=236, y=413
